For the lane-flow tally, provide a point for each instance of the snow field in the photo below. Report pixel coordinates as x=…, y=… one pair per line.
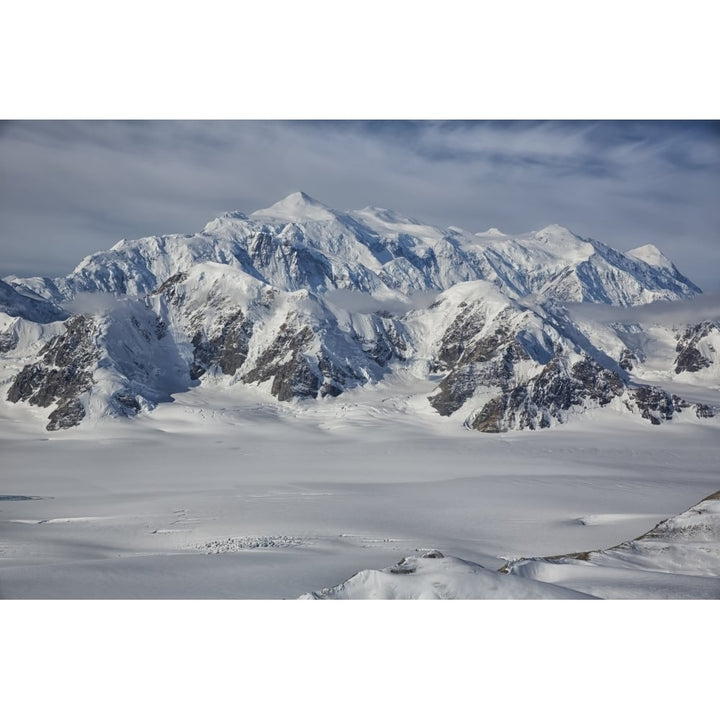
x=130, y=508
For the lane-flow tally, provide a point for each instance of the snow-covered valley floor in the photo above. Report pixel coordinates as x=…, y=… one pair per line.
x=224, y=494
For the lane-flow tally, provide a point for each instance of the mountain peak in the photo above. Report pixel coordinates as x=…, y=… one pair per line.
x=555, y=231
x=491, y=232
x=296, y=206
x=301, y=197
x=651, y=255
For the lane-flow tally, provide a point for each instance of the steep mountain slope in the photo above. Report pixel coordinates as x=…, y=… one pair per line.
x=308, y=302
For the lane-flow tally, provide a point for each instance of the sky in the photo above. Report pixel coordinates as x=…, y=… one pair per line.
x=71, y=188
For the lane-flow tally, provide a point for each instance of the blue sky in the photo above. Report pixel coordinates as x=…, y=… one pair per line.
x=70, y=188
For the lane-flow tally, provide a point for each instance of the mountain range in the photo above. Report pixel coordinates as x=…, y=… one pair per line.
x=307, y=303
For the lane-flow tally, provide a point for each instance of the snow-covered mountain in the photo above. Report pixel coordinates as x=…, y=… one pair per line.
x=307, y=303
x=298, y=243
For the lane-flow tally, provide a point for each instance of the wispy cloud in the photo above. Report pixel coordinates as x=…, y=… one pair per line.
x=697, y=309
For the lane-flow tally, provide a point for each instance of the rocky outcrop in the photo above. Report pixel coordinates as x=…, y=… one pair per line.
x=704, y=411
x=126, y=404
x=287, y=363
x=474, y=358
x=301, y=364
x=168, y=288
x=655, y=404
x=689, y=358
x=628, y=360
x=67, y=414
x=388, y=343
x=455, y=389
x=227, y=350
x=548, y=397
x=467, y=325
x=489, y=418
x=8, y=341
x=62, y=375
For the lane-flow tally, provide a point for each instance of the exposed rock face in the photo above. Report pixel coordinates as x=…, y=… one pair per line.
x=286, y=362
x=227, y=350
x=67, y=414
x=42, y=385
x=505, y=359
x=680, y=404
x=62, y=375
x=455, y=389
x=168, y=286
x=628, y=360
x=232, y=326
x=597, y=383
x=498, y=370
x=689, y=358
x=388, y=344
x=301, y=365
x=467, y=325
x=704, y=411
x=8, y=341
x=483, y=353
x=126, y=404
x=548, y=396
x=474, y=358
x=74, y=346
x=654, y=403
x=489, y=419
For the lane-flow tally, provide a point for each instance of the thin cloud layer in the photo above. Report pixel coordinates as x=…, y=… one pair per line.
x=69, y=188
x=697, y=309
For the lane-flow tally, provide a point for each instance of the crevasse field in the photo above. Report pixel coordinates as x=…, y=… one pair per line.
x=225, y=493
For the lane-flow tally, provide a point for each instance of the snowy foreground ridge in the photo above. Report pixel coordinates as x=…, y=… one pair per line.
x=307, y=303
x=678, y=558
x=433, y=576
